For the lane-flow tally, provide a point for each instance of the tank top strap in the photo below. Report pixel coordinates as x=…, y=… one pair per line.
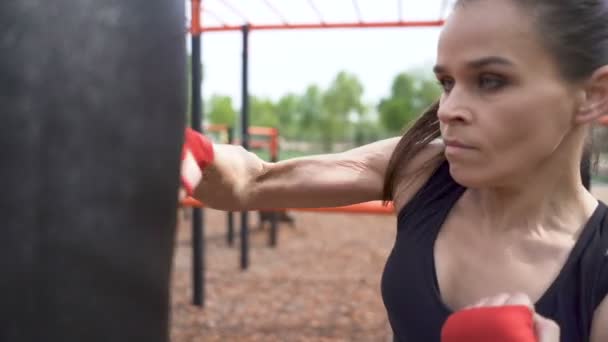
x=602, y=254
x=593, y=263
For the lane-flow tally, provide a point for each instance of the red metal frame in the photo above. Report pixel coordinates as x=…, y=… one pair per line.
x=343, y=25
x=197, y=26
x=372, y=207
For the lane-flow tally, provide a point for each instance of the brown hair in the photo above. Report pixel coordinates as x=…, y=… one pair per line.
x=424, y=130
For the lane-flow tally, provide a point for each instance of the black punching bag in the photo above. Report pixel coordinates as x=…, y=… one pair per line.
x=92, y=98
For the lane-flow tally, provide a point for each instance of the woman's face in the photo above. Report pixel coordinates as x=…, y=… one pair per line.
x=505, y=108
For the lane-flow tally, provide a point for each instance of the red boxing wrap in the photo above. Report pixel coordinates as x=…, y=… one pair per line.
x=201, y=149
x=490, y=324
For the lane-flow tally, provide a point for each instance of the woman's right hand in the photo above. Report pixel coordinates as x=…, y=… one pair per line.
x=217, y=174
x=197, y=153
x=227, y=182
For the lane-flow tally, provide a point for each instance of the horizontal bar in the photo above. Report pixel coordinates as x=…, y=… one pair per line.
x=268, y=131
x=216, y=128
x=372, y=207
x=253, y=130
x=388, y=24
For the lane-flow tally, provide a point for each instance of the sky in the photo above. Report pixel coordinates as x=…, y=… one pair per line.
x=288, y=61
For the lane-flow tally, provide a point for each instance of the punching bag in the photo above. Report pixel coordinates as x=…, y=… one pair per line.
x=92, y=96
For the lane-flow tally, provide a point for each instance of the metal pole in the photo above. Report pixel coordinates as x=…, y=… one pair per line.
x=230, y=214
x=245, y=143
x=274, y=224
x=198, y=228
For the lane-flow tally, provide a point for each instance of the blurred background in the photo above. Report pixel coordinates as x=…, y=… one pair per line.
x=310, y=92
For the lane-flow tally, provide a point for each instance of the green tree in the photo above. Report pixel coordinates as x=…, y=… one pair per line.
x=221, y=111
x=288, y=110
x=341, y=99
x=311, y=111
x=367, y=131
x=262, y=112
x=411, y=93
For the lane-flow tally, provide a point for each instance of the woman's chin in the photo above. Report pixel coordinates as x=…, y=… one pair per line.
x=468, y=177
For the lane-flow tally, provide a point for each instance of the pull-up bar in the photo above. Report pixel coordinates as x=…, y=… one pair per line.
x=338, y=25
x=197, y=27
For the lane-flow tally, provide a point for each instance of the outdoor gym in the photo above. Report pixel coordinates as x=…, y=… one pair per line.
x=101, y=245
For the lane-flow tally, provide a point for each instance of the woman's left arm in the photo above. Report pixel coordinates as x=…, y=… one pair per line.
x=599, y=327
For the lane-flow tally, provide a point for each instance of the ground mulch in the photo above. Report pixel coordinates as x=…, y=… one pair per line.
x=320, y=283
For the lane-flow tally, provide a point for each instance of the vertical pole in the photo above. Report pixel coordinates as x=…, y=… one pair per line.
x=245, y=142
x=230, y=214
x=198, y=228
x=274, y=157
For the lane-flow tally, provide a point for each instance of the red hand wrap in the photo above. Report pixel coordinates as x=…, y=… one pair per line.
x=490, y=324
x=201, y=149
x=200, y=146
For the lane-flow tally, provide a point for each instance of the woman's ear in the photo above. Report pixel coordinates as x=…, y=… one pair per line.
x=595, y=104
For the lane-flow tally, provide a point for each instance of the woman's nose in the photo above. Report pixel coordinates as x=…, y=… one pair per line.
x=452, y=109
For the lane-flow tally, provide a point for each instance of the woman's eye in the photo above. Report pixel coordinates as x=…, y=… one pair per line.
x=447, y=84
x=491, y=82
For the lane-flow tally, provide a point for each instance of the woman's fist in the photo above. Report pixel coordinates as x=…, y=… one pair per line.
x=197, y=153
x=502, y=318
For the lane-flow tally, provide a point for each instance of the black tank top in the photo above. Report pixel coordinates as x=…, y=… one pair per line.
x=409, y=285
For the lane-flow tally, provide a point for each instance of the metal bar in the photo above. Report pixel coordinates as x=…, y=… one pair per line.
x=372, y=207
x=195, y=17
x=235, y=10
x=432, y=23
x=400, y=10
x=314, y=7
x=357, y=11
x=198, y=229
x=265, y=131
x=215, y=16
x=230, y=214
x=276, y=11
x=245, y=142
x=274, y=157
x=230, y=231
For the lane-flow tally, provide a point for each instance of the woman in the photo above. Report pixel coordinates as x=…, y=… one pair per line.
x=497, y=205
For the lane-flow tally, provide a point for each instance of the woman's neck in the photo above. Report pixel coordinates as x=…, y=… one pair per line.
x=551, y=197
